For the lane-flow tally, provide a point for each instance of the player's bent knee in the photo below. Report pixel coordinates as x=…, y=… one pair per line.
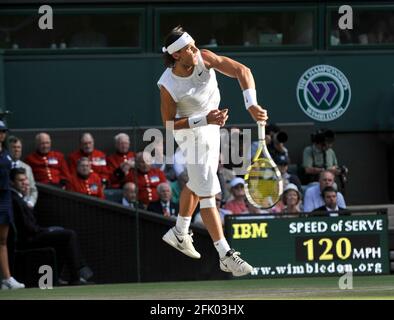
x=208, y=203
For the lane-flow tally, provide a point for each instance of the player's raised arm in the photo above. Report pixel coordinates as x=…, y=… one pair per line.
x=243, y=74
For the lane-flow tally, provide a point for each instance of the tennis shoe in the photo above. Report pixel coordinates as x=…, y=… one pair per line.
x=181, y=242
x=231, y=262
x=11, y=284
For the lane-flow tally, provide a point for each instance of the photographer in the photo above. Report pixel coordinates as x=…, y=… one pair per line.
x=320, y=156
x=276, y=140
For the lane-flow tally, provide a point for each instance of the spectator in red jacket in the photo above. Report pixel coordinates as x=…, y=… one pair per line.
x=120, y=163
x=48, y=166
x=147, y=178
x=96, y=157
x=85, y=181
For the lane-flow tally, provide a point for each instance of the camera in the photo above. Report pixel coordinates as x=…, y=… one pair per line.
x=344, y=170
x=343, y=175
x=278, y=136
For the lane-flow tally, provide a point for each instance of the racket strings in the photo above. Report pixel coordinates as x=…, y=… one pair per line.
x=263, y=183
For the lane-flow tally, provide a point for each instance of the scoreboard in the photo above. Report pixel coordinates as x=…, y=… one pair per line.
x=310, y=246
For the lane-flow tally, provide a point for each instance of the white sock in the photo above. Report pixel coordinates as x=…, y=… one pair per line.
x=182, y=224
x=222, y=247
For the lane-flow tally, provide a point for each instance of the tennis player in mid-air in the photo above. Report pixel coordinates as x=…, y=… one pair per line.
x=190, y=98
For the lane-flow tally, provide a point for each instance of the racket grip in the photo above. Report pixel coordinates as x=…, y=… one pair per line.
x=261, y=129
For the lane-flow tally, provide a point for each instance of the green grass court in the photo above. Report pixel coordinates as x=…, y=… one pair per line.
x=367, y=287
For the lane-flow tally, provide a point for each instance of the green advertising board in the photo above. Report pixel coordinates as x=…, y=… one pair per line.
x=311, y=246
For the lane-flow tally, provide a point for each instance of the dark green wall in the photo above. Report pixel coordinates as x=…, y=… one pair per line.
x=74, y=92
x=114, y=90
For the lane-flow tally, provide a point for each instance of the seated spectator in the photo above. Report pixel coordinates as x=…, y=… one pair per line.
x=237, y=205
x=129, y=198
x=48, y=166
x=222, y=212
x=282, y=161
x=225, y=176
x=320, y=156
x=31, y=235
x=276, y=141
x=15, y=148
x=120, y=163
x=146, y=178
x=291, y=199
x=330, y=201
x=178, y=185
x=253, y=210
x=164, y=206
x=85, y=181
x=96, y=157
x=313, y=195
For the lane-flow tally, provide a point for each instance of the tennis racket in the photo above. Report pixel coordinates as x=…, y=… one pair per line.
x=263, y=181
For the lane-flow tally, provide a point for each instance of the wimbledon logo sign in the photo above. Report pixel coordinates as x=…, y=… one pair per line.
x=323, y=93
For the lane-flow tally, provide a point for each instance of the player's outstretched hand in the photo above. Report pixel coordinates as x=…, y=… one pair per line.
x=258, y=113
x=218, y=117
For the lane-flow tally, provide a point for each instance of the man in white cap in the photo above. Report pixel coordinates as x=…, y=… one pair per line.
x=237, y=204
x=190, y=100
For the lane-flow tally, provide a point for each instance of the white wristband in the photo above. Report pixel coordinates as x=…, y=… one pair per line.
x=250, y=97
x=197, y=121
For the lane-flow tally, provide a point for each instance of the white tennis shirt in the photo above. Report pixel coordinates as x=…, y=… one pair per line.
x=196, y=94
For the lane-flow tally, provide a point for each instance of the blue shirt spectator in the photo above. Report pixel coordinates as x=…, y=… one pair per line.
x=313, y=195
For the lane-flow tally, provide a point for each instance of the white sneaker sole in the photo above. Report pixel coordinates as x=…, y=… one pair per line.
x=167, y=238
x=4, y=287
x=236, y=274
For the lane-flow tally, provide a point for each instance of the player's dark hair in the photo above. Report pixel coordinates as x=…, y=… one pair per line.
x=173, y=36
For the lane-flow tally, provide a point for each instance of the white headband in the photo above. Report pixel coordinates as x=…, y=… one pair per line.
x=181, y=42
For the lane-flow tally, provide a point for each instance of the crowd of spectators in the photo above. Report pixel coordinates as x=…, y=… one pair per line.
x=151, y=184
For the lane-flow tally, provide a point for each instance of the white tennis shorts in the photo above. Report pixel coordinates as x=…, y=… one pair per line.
x=201, y=148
